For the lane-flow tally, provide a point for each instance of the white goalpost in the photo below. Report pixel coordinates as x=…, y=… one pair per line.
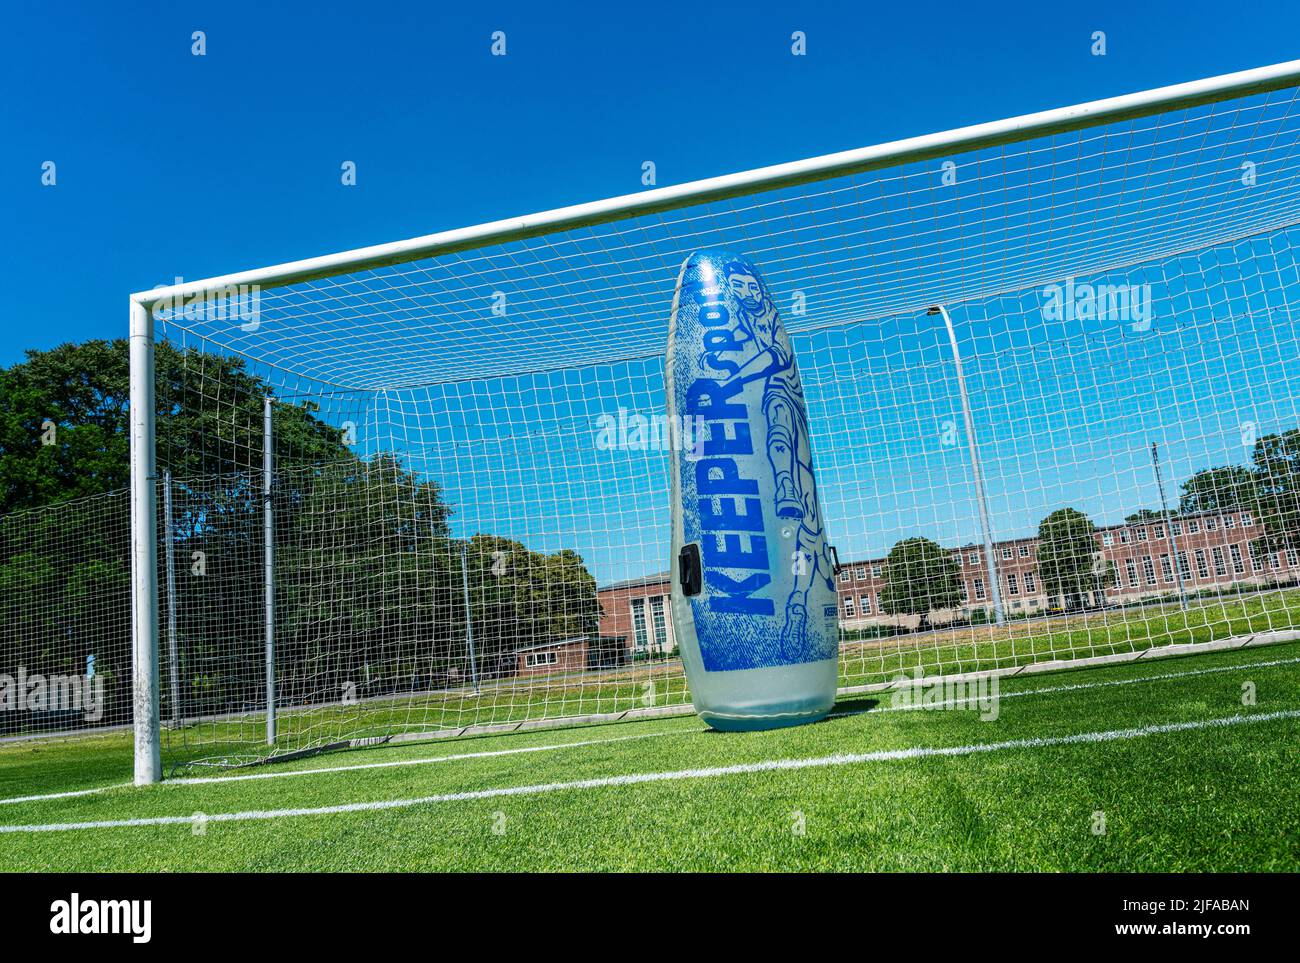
x=413, y=489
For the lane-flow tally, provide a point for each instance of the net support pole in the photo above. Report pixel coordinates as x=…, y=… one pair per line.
x=977, y=471
x=144, y=550
x=169, y=546
x=268, y=566
x=1169, y=528
x=469, y=616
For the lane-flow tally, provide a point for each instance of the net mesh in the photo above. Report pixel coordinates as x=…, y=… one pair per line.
x=469, y=497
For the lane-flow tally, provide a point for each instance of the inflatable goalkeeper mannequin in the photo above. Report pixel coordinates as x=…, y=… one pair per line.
x=753, y=582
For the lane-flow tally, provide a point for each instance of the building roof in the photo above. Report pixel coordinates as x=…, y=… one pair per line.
x=656, y=579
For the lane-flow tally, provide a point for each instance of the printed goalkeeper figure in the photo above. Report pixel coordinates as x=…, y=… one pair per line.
x=788, y=448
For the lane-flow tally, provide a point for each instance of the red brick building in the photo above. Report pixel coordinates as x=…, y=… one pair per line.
x=637, y=612
x=1214, y=551
x=1211, y=551
x=545, y=658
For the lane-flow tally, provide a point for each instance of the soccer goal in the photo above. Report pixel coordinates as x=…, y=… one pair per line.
x=419, y=489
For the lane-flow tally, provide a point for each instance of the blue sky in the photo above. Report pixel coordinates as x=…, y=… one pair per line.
x=174, y=165
x=170, y=164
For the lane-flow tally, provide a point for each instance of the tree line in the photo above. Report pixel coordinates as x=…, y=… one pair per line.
x=370, y=585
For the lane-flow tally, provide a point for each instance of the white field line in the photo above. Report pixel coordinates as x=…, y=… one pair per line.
x=324, y=770
x=634, y=779
x=1064, y=688
x=368, y=765
x=484, y=754
x=64, y=795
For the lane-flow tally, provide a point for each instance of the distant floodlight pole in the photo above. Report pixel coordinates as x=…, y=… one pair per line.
x=268, y=566
x=972, y=446
x=1169, y=528
x=469, y=615
x=169, y=545
x=144, y=549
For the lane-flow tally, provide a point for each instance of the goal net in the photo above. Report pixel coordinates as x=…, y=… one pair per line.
x=422, y=489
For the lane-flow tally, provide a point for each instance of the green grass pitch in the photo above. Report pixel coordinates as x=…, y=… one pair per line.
x=1185, y=778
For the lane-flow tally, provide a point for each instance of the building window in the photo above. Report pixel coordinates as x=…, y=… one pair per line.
x=1131, y=570
x=1141, y=533
x=1166, y=568
x=979, y=589
x=1229, y=521
x=1193, y=527
x=541, y=658
x=1160, y=532
x=1292, y=558
x=1123, y=536
x=1006, y=553
x=1107, y=539
x=875, y=571
x=1013, y=583
x=1030, y=585
x=1024, y=551
x=1176, y=528
x=1247, y=519
x=1202, y=570
x=1184, y=569
x=973, y=558
x=660, y=623
x=1220, y=567
x=860, y=574
x=844, y=575
x=880, y=606
x=1211, y=524
x=639, y=635
x=864, y=602
x=1238, y=563
x=1148, y=570
x=1257, y=554
x=848, y=607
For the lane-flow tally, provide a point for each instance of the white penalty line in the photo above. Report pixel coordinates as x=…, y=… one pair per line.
x=634, y=779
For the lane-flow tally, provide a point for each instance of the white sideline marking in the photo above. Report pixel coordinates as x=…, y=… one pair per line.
x=633, y=779
x=1075, y=687
x=591, y=742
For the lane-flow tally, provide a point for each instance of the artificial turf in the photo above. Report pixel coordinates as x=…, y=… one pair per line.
x=1195, y=799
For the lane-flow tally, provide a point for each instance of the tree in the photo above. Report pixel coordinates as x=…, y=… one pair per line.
x=521, y=598
x=920, y=577
x=1068, y=559
x=63, y=424
x=1277, y=488
x=368, y=577
x=1143, y=515
x=1217, y=490
x=64, y=595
